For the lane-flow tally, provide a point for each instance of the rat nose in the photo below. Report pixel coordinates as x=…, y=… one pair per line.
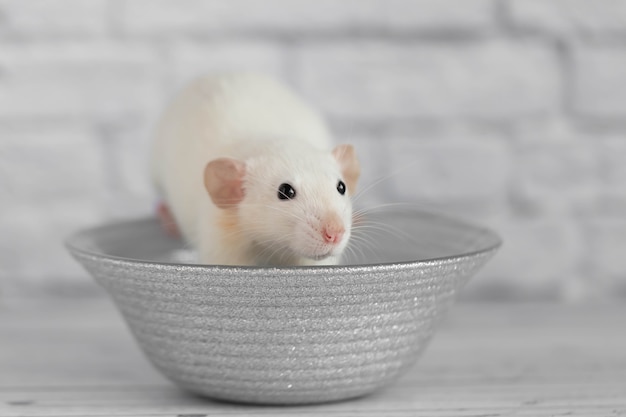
x=333, y=233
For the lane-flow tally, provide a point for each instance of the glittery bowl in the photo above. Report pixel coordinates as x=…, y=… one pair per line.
x=288, y=335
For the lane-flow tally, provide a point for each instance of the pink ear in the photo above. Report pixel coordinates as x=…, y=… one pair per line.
x=349, y=164
x=223, y=180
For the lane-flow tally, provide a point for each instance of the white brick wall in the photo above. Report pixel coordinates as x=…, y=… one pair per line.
x=57, y=18
x=558, y=170
x=570, y=17
x=489, y=80
x=52, y=179
x=450, y=168
x=607, y=260
x=600, y=81
x=508, y=112
x=30, y=157
x=190, y=59
x=80, y=80
x=164, y=17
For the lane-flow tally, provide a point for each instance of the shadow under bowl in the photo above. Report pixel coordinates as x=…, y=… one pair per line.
x=288, y=335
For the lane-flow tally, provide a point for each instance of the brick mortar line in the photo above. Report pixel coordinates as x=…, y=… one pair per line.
x=502, y=16
x=566, y=69
x=587, y=125
x=287, y=42
x=113, y=19
x=331, y=35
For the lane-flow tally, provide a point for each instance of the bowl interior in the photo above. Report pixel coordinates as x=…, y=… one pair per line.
x=391, y=236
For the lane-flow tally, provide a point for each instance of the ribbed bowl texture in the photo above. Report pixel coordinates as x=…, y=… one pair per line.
x=287, y=335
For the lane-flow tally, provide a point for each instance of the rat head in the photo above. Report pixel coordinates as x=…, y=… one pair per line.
x=291, y=201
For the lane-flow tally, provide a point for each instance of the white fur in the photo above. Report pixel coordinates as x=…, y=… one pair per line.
x=253, y=119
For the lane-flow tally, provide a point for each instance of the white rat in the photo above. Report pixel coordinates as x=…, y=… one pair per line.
x=247, y=174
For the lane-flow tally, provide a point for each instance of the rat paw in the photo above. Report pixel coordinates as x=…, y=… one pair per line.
x=167, y=220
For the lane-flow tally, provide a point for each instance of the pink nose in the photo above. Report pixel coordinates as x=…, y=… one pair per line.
x=333, y=234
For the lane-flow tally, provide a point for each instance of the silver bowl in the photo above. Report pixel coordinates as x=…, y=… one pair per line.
x=287, y=335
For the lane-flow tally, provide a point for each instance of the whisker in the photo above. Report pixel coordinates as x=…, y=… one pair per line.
x=365, y=244
x=378, y=181
x=377, y=208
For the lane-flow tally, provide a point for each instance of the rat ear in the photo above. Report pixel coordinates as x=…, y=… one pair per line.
x=349, y=164
x=223, y=180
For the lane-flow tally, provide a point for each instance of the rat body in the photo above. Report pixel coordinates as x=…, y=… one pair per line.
x=247, y=174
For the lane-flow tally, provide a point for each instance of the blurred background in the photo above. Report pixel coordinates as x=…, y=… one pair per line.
x=509, y=113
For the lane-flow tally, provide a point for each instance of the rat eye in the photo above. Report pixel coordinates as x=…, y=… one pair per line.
x=341, y=187
x=286, y=192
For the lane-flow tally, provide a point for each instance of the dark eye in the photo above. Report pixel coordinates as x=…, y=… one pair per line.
x=341, y=187
x=286, y=192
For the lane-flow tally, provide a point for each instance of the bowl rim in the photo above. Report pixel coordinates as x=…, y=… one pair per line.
x=73, y=244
